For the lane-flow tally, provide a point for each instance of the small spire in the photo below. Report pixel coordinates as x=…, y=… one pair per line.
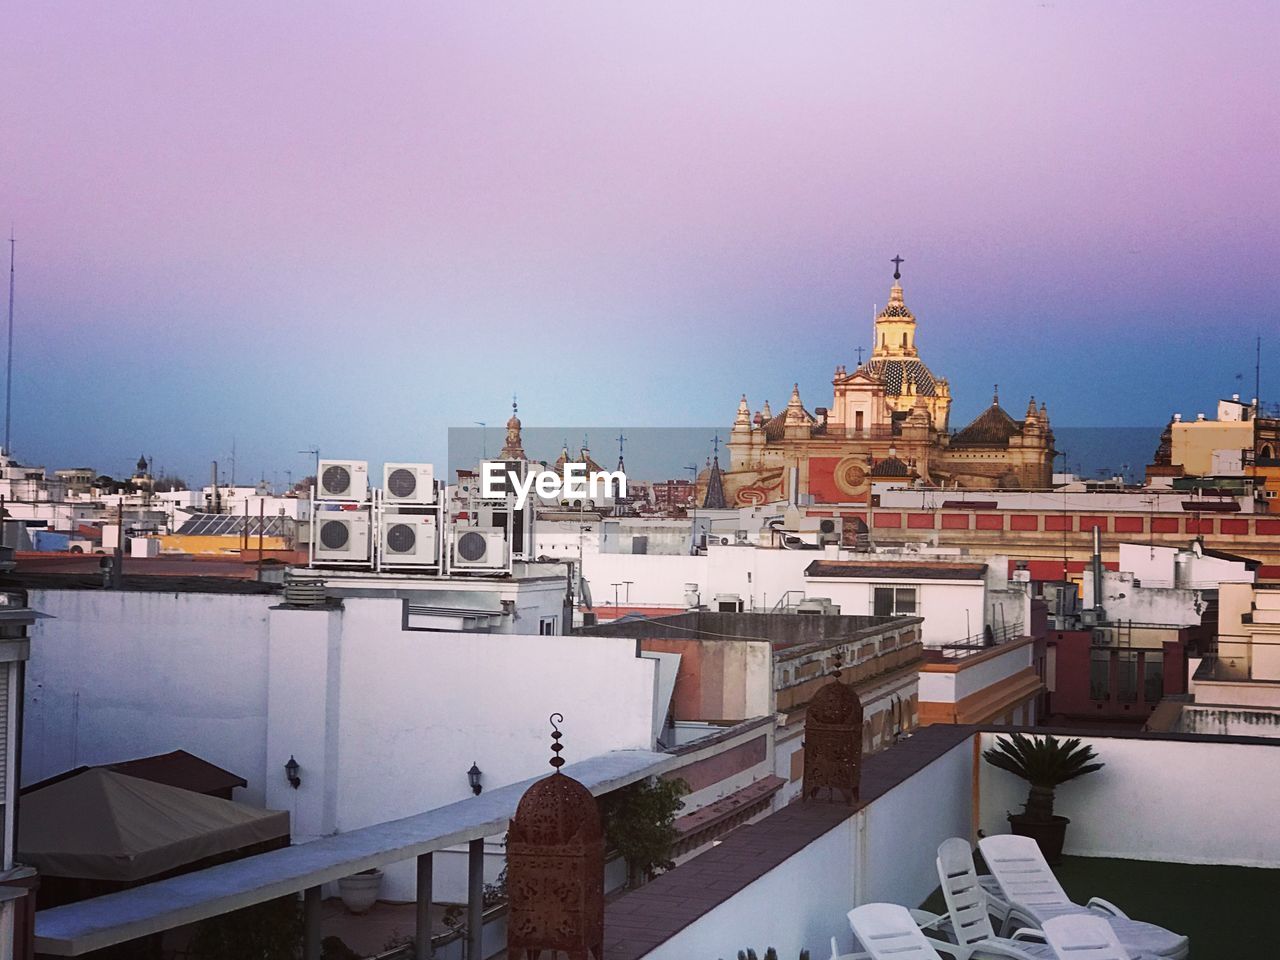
x=995, y=396
x=897, y=264
x=557, y=761
x=766, y=412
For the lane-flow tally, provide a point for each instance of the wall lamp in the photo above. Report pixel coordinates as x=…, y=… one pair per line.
x=291, y=773
x=473, y=778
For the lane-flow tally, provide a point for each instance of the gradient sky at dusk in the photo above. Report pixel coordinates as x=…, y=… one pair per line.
x=356, y=225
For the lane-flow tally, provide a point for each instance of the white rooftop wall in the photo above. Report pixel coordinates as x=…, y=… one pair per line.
x=383, y=721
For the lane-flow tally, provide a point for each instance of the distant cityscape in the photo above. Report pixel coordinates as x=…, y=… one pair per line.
x=593, y=482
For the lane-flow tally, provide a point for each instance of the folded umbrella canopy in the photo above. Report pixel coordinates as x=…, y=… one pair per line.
x=103, y=825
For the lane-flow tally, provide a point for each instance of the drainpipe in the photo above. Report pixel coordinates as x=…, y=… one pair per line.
x=1097, y=572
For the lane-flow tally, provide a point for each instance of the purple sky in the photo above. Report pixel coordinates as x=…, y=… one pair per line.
x=356, y=225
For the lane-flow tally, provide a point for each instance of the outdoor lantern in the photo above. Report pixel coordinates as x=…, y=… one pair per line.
x=291, y=772
x=473, y=778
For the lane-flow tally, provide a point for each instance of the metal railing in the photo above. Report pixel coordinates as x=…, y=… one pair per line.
x=977, y=643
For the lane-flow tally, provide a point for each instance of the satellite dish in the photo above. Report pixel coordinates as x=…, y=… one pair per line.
x=586, y=594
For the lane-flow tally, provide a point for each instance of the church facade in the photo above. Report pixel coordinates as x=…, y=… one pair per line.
x=888, y=419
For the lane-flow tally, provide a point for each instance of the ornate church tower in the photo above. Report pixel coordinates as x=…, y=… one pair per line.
x=513, y=448
x=894, y=381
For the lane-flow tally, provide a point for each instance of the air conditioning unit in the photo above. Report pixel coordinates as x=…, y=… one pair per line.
x=408, y=540
x=478, y=548
x=408, y=483
x=342, y=536
x=343, y=480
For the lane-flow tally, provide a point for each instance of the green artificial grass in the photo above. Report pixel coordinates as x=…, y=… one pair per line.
x=1228, y=912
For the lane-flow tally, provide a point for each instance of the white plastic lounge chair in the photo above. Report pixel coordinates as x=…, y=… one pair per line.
x=1081, y=936
x=1035, y=896
x=888, y=932
x=970, y=923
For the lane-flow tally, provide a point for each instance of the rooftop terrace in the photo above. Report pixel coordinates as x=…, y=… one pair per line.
x=1169, y=829
x=1180, y=849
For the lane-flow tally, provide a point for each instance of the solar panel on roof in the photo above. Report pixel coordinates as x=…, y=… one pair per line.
x=223, y=525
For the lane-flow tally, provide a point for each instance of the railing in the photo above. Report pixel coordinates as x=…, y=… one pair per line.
x=978, y=643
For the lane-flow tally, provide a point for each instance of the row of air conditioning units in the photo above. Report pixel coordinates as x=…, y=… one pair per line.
x=346, y=537
x=347, y=481
x=404, y=525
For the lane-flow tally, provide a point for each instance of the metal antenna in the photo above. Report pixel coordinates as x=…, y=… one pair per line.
x=8, y=371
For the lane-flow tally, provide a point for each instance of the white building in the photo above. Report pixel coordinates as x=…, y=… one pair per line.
x=385, y=692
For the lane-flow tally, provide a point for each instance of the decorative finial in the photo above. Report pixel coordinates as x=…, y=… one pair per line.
x=557, y=761
x=897, y=264
x=836, y=672
x=514, y=409
x=995, y=396
x=715, y=442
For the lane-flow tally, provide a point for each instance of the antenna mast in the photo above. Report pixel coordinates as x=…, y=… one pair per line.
x=8, y=375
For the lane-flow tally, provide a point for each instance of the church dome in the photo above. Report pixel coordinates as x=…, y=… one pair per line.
x=991, y=428
x=896, y=307
x=895, y=372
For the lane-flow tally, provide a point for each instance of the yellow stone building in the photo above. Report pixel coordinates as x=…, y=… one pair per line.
x=889, y=418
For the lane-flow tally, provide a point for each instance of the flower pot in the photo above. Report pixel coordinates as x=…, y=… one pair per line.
x=360, y=890
x=1049, y=836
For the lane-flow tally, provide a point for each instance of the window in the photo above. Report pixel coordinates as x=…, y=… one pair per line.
x=1127, y=676
x=1153, y=676
x=857, y=421
x=894, y=601
x=547, y=626
x=1100, y=675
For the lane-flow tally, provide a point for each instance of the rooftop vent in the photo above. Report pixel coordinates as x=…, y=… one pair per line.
x=304, y=593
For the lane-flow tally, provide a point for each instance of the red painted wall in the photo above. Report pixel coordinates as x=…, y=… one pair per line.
x=1071, y=694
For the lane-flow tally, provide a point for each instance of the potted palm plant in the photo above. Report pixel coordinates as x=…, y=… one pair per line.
x=1044, y=762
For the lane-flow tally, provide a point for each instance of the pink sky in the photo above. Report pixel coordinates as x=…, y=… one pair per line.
x=360, y=224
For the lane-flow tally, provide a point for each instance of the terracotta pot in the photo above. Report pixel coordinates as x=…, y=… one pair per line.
x=360, y=890
x=1048, y=836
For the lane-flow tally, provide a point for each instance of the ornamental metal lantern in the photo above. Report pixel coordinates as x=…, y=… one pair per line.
x=833, y=742
x=555, y=868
